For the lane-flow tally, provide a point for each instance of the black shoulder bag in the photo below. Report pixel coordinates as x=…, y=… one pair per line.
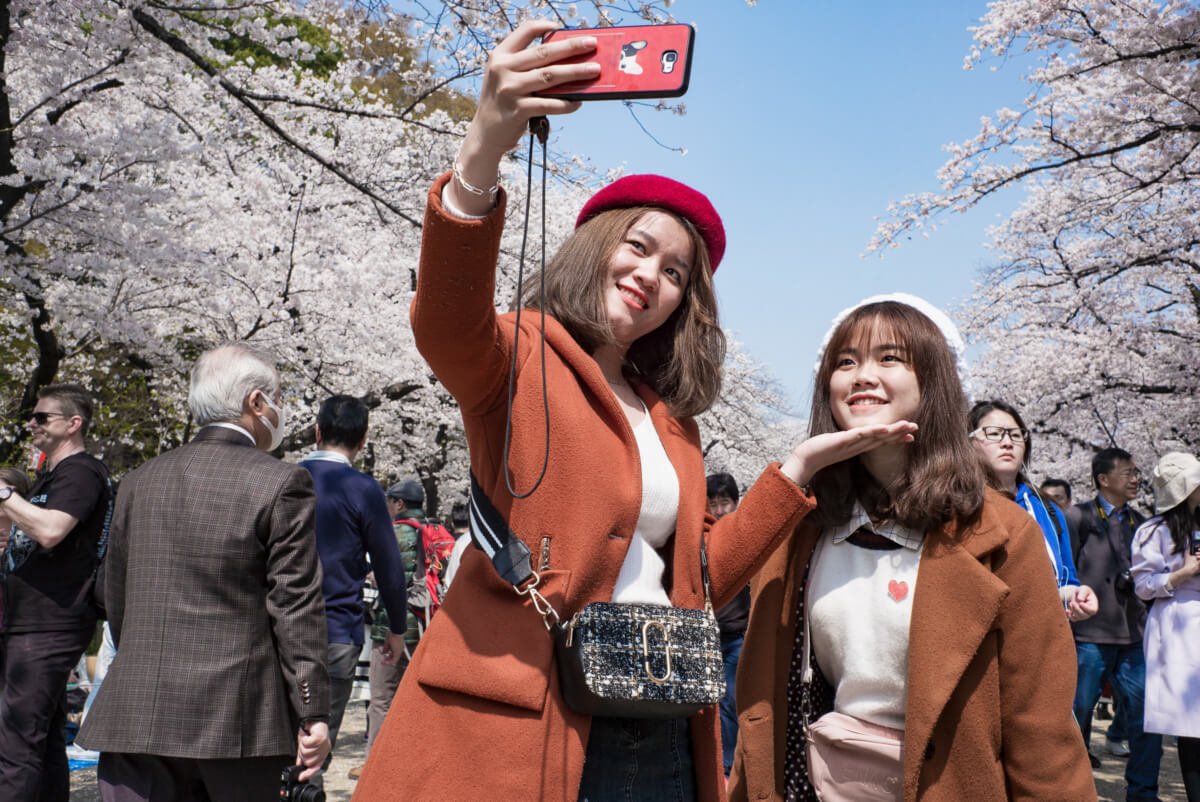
x=615, y=659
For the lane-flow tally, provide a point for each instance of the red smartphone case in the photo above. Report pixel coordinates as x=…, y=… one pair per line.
x=636, y=61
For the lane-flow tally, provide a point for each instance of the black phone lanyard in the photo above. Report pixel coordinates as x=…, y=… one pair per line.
x=539, y=129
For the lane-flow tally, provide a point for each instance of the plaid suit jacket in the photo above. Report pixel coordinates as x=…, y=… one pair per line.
x=213, y=590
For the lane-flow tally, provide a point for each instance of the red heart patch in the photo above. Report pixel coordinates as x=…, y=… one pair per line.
x=897, y=589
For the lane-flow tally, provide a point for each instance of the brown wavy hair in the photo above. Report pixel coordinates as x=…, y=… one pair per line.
x=681, y=359
x=944, y=480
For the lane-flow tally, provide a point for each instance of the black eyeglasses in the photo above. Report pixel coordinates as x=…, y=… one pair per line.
x=997, y=433
x=41, y=418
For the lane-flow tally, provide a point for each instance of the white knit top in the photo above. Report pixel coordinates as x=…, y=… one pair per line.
x=859, y=611
x=641, y=576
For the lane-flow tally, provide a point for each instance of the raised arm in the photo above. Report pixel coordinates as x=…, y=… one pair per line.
x=506, y=103
x=742, y=540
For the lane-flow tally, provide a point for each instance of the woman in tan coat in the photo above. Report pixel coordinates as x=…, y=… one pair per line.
x=913, y=609
x=632, y=351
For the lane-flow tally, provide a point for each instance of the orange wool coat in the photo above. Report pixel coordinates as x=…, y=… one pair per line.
x=991, y=670
x=482, y=686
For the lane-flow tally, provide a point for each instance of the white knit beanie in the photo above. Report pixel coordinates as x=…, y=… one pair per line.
x=939, y=318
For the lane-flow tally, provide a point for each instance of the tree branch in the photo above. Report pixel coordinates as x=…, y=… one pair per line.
x=156, y=29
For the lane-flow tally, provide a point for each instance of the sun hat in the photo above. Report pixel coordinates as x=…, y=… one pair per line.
x=666, y=193
x=1175, y=477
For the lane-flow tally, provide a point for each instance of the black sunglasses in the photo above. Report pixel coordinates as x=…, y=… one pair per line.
x=41, y=418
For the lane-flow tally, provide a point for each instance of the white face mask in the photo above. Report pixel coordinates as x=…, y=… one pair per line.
x=275, y=430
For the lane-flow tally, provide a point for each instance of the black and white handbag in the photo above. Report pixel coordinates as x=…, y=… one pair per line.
x=615, y=659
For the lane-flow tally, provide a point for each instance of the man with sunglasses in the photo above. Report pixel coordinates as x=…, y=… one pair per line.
x=48, y=570
x=1109, y=644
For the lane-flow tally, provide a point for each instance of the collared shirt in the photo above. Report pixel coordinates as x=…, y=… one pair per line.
x=893, y=531
x=1122, y=514
x=234, y=427
x=327, y=456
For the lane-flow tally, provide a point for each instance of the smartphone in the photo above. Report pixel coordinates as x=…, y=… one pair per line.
x=1194, y=542
x=636, y=61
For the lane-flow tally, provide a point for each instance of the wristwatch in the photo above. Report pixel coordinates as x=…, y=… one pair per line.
x=5, y=493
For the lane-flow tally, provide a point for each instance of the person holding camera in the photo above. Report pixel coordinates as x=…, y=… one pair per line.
x=213, y=592
x=1166, y=572
x=1109, y=644
x=603, y=477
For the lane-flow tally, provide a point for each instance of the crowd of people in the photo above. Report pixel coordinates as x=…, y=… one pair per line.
x=903, y=612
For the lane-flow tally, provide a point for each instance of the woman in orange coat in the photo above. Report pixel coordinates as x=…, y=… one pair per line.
x=632, y=351
x=913, y=610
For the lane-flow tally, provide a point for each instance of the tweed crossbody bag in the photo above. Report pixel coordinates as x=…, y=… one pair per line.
x=615, y=659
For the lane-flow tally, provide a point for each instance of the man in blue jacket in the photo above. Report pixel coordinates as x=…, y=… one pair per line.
x=352, y=524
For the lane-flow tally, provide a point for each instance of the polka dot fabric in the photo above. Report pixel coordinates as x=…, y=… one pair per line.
x=806, y=701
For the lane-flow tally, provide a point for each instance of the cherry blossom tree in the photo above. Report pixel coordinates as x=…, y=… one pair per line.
x=1089, y=318
x=177, y=175
x=750, y=425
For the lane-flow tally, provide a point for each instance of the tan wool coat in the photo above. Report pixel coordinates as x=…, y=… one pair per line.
x=482, y=686
x=991, y=670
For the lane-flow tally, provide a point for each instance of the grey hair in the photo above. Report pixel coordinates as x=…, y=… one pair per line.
x=222, y=379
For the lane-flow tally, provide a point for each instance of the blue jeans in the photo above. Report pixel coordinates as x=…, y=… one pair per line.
x=1116, y=731
x=630, y=759
x=731, y=650
x=1125, y=668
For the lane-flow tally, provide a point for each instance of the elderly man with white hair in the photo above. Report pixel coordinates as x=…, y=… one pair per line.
x=213, y=591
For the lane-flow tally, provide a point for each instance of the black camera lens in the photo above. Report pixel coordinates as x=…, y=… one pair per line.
x=309, y=793
x=1123, y=583
x=292, y=789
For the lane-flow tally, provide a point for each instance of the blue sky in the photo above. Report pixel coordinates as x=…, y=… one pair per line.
x=803, y=121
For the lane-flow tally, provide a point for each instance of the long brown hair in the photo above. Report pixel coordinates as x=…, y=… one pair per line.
x=1181, y=520
x=944, y=479
x=681, y=359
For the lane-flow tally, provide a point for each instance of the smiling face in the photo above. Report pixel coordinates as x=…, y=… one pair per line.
x=647, y=276
x=1005, y=457
x=58, y=427
x=873, y=380
x=1122, y=484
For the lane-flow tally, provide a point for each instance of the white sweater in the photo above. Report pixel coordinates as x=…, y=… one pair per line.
x=859, y=610
x=641, y=576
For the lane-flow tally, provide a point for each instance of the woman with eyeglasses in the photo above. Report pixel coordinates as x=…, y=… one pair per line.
x=1004, y=442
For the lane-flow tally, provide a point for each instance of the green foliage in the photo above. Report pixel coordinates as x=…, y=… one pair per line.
x=394, y=58
x=129, y=424
x=243, y=50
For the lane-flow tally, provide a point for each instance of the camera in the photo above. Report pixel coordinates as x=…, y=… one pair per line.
x=1123, y=583
x=292, y=789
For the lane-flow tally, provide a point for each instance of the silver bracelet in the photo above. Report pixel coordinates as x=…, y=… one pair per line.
x=462, y=182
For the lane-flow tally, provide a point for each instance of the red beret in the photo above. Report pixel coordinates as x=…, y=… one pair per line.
x=656, y=190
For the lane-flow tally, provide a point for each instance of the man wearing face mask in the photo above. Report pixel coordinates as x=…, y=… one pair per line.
x=213, y=591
